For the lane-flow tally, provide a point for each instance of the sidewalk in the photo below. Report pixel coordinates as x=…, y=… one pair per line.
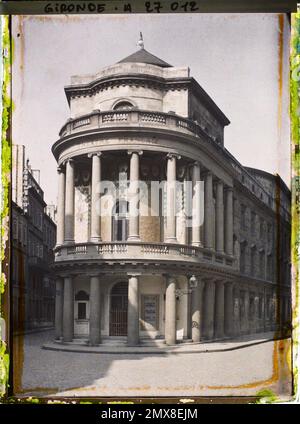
x=159, y=347
x=33, y=330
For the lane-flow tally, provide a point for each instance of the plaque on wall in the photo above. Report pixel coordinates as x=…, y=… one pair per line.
x=150, y=312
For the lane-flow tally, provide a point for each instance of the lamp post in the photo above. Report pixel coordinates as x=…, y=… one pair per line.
x=192, y=285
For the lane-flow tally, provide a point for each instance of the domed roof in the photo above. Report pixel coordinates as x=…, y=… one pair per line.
x=143, y=56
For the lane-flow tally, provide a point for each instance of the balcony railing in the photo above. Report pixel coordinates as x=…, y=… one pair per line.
x=134, y=117
x=114, y=251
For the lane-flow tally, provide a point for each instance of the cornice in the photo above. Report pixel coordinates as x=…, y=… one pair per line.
x=107, y=82
x=208, y=101
x=211, y=149
x=142, y=266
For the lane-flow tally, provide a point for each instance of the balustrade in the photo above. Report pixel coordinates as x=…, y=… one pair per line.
x=81, y=123
x=140, y=250
x=140, y=117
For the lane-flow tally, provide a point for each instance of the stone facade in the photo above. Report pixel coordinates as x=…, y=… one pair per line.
x=33, y=240
x=150, y=274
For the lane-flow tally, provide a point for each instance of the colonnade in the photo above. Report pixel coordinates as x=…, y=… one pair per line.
x=211, y=309
x=221, y=228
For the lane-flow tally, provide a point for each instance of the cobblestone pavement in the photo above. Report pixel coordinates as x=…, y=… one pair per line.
x=197, y=374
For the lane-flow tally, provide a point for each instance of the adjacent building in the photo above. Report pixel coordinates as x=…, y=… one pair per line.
x=200, y=264
x=33, y=240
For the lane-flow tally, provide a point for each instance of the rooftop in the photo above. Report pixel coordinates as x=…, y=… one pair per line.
x=143, y=56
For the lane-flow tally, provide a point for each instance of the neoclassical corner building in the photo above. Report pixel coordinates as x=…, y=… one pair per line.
x=145, y=275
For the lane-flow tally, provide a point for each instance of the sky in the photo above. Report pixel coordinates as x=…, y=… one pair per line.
x=235, y=58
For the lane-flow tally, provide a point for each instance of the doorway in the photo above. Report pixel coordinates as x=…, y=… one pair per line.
x=118, y=309
x=81, y=313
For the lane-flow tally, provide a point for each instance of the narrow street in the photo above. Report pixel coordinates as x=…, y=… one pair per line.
x=233, y=372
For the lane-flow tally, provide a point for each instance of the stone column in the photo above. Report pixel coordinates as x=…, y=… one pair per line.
x=133, y=324
x=95, y=198
x=170, y=311
x=134, y=232
x=229, y=221
x=197, y=296
x=219, y=309
x=171, y=199
x=196, y=236
x=229, y=318
x=208, y=210
x=68, y=312
x=209, y=315
x=219, y=218
x=60, y=234
x=59, y=298
x=69, y=205
x=95, y=310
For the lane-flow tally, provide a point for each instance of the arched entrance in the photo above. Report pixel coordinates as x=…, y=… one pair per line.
x=118, y=309
x=81, y=313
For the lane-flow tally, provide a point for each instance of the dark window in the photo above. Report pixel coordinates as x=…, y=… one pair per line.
x=268, y=306
x=262, y=264
x=123, y=106
x=243, y=216
x=262, y=228
x=243, y=258
x=260, y=307
x=269, y=233
x=81, y=310
x=251, y=307
x=253, y=258
x=269, y=267
x=81, y=295
x=120, y=221
x=242, y=305
x=253, y=220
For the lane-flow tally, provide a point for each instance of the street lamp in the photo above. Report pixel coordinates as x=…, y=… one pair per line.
x=192, y=284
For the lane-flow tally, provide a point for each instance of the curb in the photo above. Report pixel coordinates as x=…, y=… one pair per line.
x=156, y=351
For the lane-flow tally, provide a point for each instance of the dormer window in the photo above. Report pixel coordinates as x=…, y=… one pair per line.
x=123, y=105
